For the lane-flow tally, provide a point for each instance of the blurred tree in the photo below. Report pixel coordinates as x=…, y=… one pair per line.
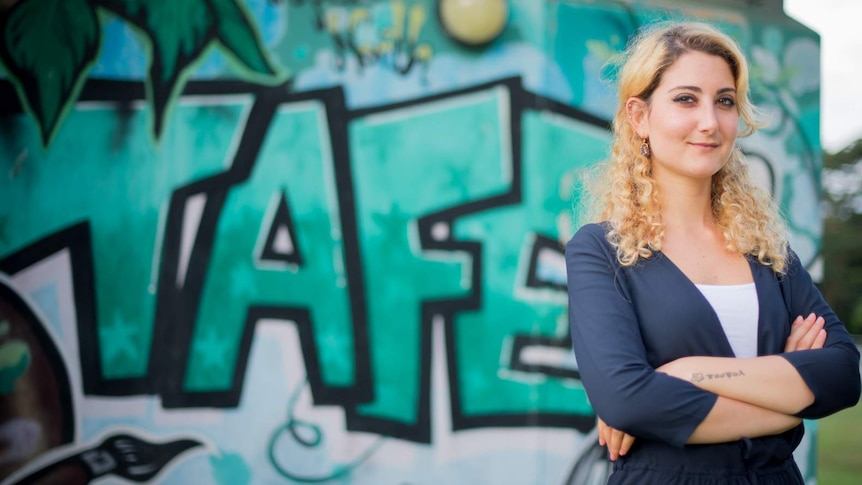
x=842, y=235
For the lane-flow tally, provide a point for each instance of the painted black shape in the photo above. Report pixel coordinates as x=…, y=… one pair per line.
x=125, y=93
x=420, y=431
x=540, y=244
x=177, y=306
x=122, y=455
x=162, y=86
x=76, y=240
x=520, y=101
x=123, y=127
x=9, y=102
x=42, y=393
x=139, y=460
x=362, y=391
x=337, y=119
x=281, y=221
x=750, y=155
x=301, y=318
x=522, y=342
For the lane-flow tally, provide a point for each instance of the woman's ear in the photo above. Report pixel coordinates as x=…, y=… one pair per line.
x=637, y=111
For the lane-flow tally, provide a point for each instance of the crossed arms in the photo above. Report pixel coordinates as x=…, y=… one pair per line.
x=756, y=396
x=699, y=399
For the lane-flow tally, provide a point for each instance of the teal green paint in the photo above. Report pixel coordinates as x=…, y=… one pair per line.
x=177, y=27
x=297, y=49
x=303, y=40
x=811, y=429
x=294, y=161
x=794, y=116
x=528, y=18
x=14, y=361
x=407, y=165
x=115, y=179
x=50, y=46
x=120, y=339
x=586, y=37
x=554, y=149
x=106, y=170
x=237, y=34
x=230, y=469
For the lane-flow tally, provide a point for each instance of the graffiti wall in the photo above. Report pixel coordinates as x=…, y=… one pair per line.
x=319, y=241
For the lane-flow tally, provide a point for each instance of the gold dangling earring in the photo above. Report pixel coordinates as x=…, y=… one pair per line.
x=645, y=149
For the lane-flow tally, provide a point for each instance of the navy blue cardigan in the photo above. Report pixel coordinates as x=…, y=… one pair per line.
x=627, y=321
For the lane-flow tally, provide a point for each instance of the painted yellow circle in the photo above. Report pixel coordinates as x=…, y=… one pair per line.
x=474, y=22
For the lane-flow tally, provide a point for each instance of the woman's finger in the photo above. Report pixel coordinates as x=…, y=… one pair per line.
x=603, y=429
x=820, y=341
x=628, y=441
x=615, y=443
x=797, y=330
x=807, y=340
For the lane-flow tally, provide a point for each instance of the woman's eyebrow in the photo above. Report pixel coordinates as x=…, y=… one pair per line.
x=699, y=90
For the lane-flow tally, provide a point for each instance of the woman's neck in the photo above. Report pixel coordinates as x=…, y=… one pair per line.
x=687, y=207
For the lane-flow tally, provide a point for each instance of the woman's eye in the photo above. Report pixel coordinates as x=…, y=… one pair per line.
x=684, y=98
x=729, y=102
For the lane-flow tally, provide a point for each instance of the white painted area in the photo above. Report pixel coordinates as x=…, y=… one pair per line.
x=191, y=223
x=55, y=272
x=283, y=243
x=558, y=357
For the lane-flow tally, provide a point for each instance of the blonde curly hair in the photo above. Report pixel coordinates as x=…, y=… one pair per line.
x=627, y=195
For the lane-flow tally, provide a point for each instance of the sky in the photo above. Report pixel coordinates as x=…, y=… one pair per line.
x=838, y=23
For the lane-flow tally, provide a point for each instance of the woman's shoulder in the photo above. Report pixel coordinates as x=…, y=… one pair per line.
x=793, y=265
x=591, y=231
x=593, y=236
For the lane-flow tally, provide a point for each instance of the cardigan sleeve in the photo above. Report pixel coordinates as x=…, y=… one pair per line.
x=623, y=388
x=832, y=373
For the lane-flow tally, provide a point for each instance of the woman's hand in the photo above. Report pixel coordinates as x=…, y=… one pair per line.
x=806, y=334
x=618, y=442
x=770, y=381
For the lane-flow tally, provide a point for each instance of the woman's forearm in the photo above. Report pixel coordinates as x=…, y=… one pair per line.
x=768, y=382
x=731, y=420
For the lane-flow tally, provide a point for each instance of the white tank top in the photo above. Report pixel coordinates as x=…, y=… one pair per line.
x=737, y=310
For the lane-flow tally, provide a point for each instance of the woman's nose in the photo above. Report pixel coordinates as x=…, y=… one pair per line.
x=708, y=119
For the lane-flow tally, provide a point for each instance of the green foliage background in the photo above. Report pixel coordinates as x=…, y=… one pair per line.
x=842, y=235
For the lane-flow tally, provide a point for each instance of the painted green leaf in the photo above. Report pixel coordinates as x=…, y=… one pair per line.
x=178, y=31
x=237, y=34
x=14, y=360
x=48, y=46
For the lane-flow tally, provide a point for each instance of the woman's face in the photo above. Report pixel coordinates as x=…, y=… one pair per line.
x=692, y=119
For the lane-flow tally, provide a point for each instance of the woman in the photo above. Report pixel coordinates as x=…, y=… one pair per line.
x=700, y=338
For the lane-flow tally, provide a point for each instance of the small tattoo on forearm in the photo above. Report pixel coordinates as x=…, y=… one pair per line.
x=698, y=376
